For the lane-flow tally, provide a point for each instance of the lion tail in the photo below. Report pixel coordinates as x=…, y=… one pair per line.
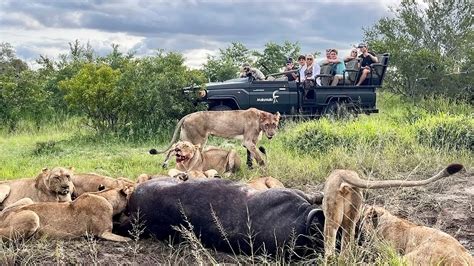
x=361, y=183
x=173, y=139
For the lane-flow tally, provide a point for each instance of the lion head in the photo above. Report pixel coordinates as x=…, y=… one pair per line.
x=269, y=123
x=184, y=151
x=118, y=196
x=57, y=181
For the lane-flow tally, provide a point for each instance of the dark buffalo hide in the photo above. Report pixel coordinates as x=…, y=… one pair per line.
x=270, y=220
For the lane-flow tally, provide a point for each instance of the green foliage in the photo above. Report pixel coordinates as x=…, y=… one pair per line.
x=226, y=64
x=21, y=96
x=322, y=135
x=152, y=95
x=445, y=131
x=93, y=90
x=431, y=48
x=274, y=56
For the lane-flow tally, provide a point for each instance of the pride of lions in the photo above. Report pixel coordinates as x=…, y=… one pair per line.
x=61, y=204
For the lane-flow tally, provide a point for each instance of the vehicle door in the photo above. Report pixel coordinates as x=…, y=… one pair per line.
x=270, y=96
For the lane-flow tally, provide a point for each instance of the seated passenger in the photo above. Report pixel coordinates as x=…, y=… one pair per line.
x=351, y=56
x=289, y=67
x=302, y=67
x=310, y=73
x=367, y=58
x=328, y=58
x=338, y=69
x=248, y=71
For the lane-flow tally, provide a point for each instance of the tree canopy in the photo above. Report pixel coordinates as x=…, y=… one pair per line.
x=431, y=47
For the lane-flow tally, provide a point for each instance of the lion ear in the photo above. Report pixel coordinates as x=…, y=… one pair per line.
x=277, y=116
x=263, y=116
x=373, y=216
x=45, y=170
x=71, y=168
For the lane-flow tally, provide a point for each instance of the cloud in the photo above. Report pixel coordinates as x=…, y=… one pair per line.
x=191, y=27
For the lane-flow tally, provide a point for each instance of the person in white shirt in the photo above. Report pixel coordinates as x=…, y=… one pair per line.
x=310, y=73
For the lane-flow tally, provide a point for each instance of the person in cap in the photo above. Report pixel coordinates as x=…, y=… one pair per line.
x=289, y=67
x=367, y=58
x=248, y=71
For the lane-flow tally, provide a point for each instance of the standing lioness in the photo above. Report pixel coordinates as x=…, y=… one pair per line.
x=247, y=124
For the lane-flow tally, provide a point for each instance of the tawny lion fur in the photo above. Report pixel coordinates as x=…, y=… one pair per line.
x=189, y=157
x=420, y=245
x=49, y=185
x=89, y=214
x=264, y=183
x=93, y=182
x=343, y=200
x=248, y=124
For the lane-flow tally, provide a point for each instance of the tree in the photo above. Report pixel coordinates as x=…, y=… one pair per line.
x=21, y=96
x=431, y=47
x=227, y=63
x=152, y=89
x=274, y=55
x=93, y=90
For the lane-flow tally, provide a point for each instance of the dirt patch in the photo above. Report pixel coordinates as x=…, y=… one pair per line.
x=445, y=205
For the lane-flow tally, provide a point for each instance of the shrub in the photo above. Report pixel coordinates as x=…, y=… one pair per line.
x=323, y=135
x=446, y=132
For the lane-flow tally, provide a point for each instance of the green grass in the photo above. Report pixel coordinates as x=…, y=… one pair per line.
x=386, y=145
x=402, y=139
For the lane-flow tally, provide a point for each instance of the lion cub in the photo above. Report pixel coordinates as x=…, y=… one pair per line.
x=89, y=214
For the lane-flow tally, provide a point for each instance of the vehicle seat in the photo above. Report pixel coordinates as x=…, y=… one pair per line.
x=325, y=74
x=378, y=70
x=351, y=74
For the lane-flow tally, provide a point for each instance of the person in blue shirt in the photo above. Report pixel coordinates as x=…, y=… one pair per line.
x=338, y=67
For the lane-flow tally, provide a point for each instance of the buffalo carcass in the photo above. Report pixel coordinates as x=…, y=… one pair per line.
x=230, y=216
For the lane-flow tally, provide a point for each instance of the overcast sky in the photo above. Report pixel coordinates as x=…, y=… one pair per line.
x=194, y=28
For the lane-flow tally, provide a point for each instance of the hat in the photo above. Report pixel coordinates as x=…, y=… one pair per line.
x=289, y=60
x=361, y=45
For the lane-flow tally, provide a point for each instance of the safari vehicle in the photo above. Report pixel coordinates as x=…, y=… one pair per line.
x=287, y=97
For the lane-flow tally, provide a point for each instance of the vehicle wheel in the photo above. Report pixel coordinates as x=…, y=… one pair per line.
x=337, y=110
x=220, y=108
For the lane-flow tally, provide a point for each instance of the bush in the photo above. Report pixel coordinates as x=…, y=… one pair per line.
x=323, y=135
x=446, y=132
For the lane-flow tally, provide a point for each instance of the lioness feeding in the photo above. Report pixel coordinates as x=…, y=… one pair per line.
x=420, y=245
x=264, y=183
x=189, y=158
x=249, y=124
x=92, y=182
x=89, y=214
x=49, y=185
x=343, y=200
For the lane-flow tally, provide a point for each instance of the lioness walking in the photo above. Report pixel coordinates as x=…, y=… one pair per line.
x=246, y=124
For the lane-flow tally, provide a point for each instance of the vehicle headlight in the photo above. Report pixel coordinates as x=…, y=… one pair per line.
x=202, y=93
